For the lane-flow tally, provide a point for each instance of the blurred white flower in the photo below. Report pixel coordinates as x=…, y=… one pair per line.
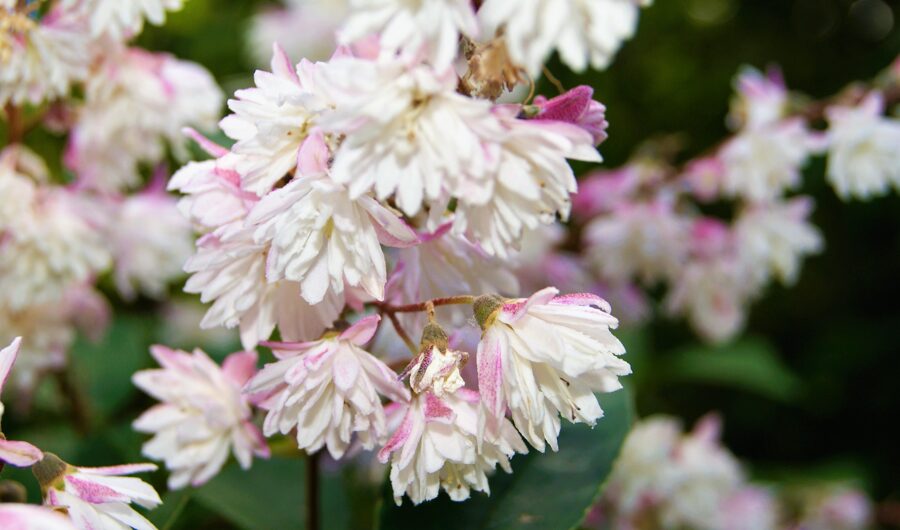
x=440, y=444
x=21, y=454
x=864, y=149
x=30, y=517
x=546, y=356
x=586, y=33
x=304, y=28
x=773, y=238
x=202, y=415
x=328, y=390
x=40, y=59
x=121, y=19
x=836, y=508
x=137, y=103
x=431, y=28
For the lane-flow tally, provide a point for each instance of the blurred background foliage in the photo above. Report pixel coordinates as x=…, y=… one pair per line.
x=808, y=392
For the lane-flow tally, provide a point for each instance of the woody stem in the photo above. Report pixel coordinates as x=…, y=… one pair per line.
x=428, y=305
x=398, y=327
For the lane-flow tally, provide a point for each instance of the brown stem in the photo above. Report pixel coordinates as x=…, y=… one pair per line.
x=77, y=404
x=553, y=80
x=402, y=333
x=15, y=124
x=423, y=306
x=312, y=492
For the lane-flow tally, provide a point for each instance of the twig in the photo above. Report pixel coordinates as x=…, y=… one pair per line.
x=312, y=492
x=15, y=124
x=553, y=80
x=80, y=416
x=423, y=306
x=402, y=333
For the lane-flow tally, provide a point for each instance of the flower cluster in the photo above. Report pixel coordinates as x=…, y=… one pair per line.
x=665, y=478
x=383, y=183
x=67, y=66
x=644, y=224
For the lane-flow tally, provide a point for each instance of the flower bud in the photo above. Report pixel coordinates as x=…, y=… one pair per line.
x=436, y=368
x=485, y=308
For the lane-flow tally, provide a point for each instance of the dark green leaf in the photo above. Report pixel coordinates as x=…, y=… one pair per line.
x=545, y=491
x=749, y=364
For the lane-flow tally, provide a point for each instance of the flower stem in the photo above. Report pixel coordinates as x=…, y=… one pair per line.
x=402, y=333
x=77, y=404
x=16, y=127
x=427, y=305
x=312, y=492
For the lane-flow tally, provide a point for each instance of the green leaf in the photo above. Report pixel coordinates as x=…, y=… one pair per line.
x=545, y=491
x=749, y=364
x=104, y=369
x=268, y=496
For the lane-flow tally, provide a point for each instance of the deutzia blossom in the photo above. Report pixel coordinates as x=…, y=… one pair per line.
x=545, y=356
x=48, y=244
x=584, y=32
x=647, y=240
x=408, y=133
x=229, y=270
x=97, y=498
x=749, y=508
x=202, y=416
x=304, y=28
x=122, y=19
x=19, y=454
x=761, y=163
x=837, y=508
x=776, y=237
x=670, y=480
x=151, y=241
x=136, y=104
x=270, y=122
x=429, y=27
x=40, y=59
x=863, y=156
x=532, y=184
x=713, y=288
x=320, y=236
x=439, y=445
x=328, y=390
x=15, y=516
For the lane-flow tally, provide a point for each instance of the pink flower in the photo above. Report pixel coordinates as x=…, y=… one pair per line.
x=202, y=415
x=19, y=454
x=577, y=107
x=98, y=498
x=328, y=390
x=29, y=517
x=545, y=356
x=441, y=443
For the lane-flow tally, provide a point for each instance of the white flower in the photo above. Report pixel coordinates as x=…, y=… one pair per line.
x=438, y=445
x=121, y=19
x=48, y=245
x=304, y=28
x=837, y=508
x=749, y=508
x=864, y=149
x=532, y=184
x=445, y=264
x=774, y=238
x=408, y=133
x=12, y=452
x=151, y=242
x=136, y=104
x=584, y=32
x=761, y=163
x=229, y=269
x=429, y=27
x=98, y=498
x=39, y=60
x=761, y=99
x=270, y=122
x=320, y=236
x=202, y=416
x=436, y=370
x=14, y=516
x=328, y=390
x=51, y=330
x=645, y=240
x=544, y=356
x=670, y=480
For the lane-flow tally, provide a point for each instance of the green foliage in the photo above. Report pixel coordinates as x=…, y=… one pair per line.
x=545, y=491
